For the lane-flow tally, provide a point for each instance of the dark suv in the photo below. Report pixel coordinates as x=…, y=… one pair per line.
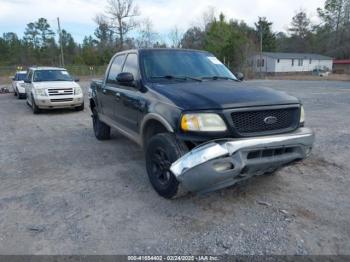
x=201, y=128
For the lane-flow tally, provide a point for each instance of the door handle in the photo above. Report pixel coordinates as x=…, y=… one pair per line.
x=117, y=95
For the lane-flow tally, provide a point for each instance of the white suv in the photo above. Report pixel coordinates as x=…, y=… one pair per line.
x=51, y=88
x=18, y=84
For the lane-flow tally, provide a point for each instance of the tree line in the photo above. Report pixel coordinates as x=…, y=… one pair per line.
x=232, y=41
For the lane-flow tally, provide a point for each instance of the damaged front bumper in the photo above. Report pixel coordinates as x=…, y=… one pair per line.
x=221, y=163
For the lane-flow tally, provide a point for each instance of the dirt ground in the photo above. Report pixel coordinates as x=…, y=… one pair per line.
x=331, y=77
x=64, y=192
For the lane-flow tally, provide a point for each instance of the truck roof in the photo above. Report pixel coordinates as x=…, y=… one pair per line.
x=160, y=49
x=46, y=68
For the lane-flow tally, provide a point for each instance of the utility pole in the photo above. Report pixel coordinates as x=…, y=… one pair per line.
x=61, y=43
x=261, y=48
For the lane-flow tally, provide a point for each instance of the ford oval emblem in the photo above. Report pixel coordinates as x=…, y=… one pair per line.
x=270, y=120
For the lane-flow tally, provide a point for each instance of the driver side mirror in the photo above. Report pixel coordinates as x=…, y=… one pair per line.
x=125, y=79
x=240, y=76
x=27, y=81
x=76, y=79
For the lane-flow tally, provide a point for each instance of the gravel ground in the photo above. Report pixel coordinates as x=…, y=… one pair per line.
x=64, y=192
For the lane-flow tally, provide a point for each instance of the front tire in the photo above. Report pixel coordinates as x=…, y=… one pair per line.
x=80, y=108
x=161, y=151
x=101, y=130
x=35, y=108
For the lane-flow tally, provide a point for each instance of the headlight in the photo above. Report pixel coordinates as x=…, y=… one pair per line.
x=302, y=115
x=78, y=90
x=40, y=92
x=205, y=122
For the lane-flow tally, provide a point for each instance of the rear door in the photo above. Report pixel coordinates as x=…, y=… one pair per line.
x=110, y=89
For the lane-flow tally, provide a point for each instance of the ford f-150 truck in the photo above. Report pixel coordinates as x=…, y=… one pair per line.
x=201, y=127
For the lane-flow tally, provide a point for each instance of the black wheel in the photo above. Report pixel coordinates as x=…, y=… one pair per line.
x=101, y=130
x=80, y=108
x=19, y=96
x=35, y=108
x=15, y=93
x=161, y=151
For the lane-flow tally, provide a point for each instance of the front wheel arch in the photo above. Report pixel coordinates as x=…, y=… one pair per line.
x=152, y=128
x=92, y=103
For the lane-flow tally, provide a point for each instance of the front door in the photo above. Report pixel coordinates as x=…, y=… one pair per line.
x=128, y=108
x=109, y=91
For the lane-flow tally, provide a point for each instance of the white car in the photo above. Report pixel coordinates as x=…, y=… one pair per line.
x=18, y=85
x=51, y=88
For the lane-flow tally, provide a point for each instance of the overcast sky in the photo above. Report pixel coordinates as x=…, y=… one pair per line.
x=77, y=15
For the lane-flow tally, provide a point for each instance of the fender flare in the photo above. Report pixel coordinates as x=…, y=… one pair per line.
x=157, y=117
x=94, y=100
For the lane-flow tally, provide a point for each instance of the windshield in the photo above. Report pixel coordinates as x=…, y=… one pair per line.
x=51, y=75
x=182, y=64
x=20, y=77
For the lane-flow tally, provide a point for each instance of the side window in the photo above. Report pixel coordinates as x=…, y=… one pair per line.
x=115, y=69
x=131, y=65
x=29, y=76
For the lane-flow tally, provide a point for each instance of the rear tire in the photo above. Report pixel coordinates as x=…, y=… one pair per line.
x=161, y=151
x=101, y=130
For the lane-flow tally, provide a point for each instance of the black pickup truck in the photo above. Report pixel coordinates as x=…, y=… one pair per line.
x=201, y=127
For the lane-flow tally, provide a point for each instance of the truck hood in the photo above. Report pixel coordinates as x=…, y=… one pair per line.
x=55, y=84
x=220, y=95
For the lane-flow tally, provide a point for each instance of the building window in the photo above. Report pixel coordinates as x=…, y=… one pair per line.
x=300, y=62
x=263, y=63
x=292, y=62
x=310, y=61
x=278, y=60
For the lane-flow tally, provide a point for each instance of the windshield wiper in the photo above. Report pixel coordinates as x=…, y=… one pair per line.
x=171, y=77
x=219, y=77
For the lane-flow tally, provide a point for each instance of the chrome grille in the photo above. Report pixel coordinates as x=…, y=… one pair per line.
x=247, y=123
x=60, y=91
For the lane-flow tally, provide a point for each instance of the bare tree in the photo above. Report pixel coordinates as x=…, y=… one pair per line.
x=122, y=14
x=175, y=37
x=301, y=25
x=147, y=36
x=103, y=32
x=208, y=17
